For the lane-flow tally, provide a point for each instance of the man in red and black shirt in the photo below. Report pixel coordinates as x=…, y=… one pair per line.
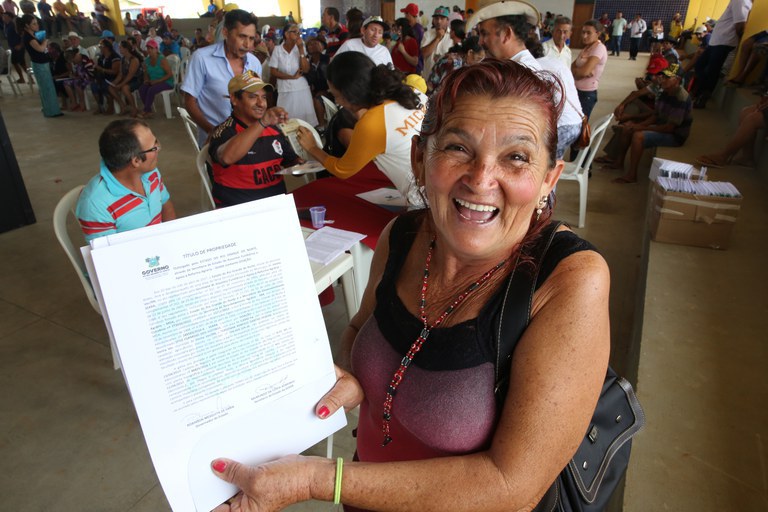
x=248, y=149
x=337, y=33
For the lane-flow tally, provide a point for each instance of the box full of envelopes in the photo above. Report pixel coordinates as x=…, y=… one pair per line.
x=693, y=212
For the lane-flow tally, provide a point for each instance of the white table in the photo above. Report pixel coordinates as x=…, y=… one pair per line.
x=342, y=267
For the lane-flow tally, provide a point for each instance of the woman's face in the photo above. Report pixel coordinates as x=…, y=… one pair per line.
x=340, y=99
x=473, y=57
x=588, y=35
x=485, y=171
x=34, y=26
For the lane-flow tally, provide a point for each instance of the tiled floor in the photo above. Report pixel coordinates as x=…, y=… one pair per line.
x=69, y=435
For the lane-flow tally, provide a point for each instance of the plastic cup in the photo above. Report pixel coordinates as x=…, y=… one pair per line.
x=318, y=216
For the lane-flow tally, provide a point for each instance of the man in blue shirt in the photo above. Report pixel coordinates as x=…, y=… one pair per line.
x=128, y=193
x=169, y=46
x=212, y=67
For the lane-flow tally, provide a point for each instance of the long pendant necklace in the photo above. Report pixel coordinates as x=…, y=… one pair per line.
x=397, y=378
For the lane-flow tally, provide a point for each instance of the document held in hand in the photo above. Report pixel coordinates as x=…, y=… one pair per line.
x=221, y=340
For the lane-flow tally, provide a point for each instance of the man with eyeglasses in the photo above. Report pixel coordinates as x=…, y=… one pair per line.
x=128, y=193
x=248, y=149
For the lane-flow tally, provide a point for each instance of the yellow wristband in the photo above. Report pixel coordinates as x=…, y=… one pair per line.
x=337, y=486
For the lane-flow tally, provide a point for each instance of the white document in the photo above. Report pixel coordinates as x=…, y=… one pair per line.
x=387, y=197
x=310, y=167
x=326, y=244
x=221, y=339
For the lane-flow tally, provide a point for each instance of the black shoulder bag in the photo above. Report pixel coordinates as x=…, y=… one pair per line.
x=590, y=478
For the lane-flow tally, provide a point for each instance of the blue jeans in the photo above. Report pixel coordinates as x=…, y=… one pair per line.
x=616, y=44
x=588, y=100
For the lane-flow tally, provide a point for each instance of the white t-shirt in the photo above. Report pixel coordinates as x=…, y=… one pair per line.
x=526, y=59
x=637, y=28
x=724, y=34
x=570, y=115
x=379, y=54
x=287, y=63
x=551, y=50
x=441, y=49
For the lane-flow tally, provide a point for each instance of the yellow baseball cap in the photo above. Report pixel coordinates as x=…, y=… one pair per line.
x=248, y=81
x=417, y=82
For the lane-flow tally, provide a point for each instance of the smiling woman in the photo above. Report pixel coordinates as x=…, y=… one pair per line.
x=420, y=355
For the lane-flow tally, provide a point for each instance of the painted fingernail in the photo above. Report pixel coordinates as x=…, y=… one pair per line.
x=323, y=412
x=219, y=466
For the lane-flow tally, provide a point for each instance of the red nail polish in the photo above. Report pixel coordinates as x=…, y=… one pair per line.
x=219, y=466
x=323, y=412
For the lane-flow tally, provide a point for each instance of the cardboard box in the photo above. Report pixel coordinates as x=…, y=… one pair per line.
x=688, y=219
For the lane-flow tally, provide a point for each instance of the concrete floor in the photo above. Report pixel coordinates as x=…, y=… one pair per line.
x=689, y=334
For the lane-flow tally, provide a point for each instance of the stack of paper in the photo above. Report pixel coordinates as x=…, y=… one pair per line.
x=221, y=339
x=326, y=244
x=389, y=198
x=699, y=188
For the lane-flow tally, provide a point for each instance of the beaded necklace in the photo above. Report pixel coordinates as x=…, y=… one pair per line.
x=397, y=378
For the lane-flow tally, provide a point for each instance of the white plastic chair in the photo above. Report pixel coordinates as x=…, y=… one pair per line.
x=9, y=67
x=93, y=52
x=330, y=109
x=578, y=170
x=175, y=63
x=66, y=206
x=185, y=53
x=190, y=125
x=206, y=197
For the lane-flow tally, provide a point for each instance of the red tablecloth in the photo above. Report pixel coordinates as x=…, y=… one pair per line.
x=344, y=207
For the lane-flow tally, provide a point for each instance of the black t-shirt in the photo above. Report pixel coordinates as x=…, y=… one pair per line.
x=36, y=56
x=253, y=177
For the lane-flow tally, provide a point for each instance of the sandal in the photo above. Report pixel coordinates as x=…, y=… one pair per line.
x=603, y=160
x=623, y=181
x=709, y=161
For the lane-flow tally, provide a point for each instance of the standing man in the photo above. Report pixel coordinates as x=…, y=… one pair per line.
x=211, y=68
x=436, y=41
x=411, y=12
x=618, y=27
x=725, y=37
x=336, y=31
x=370, y=44
x=46, y=14
x=247, y=149
x=128, y=193
x=503, y=28
x=557, y=46
x=637, y=28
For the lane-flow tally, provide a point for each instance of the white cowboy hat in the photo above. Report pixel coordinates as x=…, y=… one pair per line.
x=488, y=9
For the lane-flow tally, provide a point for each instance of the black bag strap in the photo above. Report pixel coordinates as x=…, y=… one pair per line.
x=515, y=311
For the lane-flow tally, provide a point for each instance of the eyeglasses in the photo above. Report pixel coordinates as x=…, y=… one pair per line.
x=157, y=147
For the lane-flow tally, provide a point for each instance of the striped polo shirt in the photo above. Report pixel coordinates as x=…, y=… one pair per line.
x=107, y=206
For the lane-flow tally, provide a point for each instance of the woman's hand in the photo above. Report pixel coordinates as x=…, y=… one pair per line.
x=306, y=139
x=267, y=487
x=347, y=391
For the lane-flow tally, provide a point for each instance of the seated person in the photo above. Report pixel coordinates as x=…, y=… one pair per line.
x=389, y=113
x=669, y=125
x=668, y=50
x=247, y=149
x=169, y=46
x=128, y=193
x=751, y=119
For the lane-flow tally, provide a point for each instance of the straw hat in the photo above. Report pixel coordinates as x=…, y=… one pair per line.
x=488, y=9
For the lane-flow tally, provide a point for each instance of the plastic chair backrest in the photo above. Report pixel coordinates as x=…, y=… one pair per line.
x=583, y=159
x=175, y=62
x=202, y=158
x=93, y=52
x=189, y=125
x=185, y=52
x=330, y=108
x=66, y=206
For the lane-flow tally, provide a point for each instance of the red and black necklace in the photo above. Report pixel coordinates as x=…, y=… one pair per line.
x=397, y=378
